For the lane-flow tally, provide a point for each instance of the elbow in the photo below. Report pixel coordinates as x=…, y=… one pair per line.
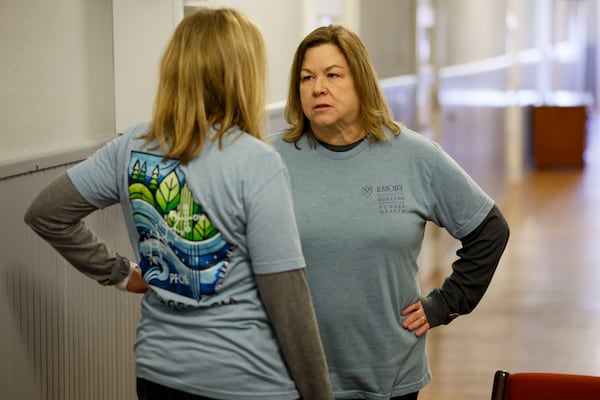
x=34, y=217
x=31, y=217
x=505, y=232
x=501, y=228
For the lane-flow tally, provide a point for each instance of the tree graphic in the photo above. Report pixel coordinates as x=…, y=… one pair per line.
x=142, y=176
x=154, y=179
x=135, y=171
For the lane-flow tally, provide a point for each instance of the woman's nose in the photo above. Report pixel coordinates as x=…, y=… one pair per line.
x=320, y=87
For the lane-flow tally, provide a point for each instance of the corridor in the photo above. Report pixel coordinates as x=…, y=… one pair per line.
x=542, y=310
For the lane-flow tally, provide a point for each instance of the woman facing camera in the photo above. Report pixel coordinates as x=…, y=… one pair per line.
x=364, y=188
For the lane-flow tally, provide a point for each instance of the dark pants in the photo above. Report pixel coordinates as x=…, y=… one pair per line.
x=147, y=390
x=411, y=396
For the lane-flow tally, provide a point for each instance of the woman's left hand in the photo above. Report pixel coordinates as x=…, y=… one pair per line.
x=415, y=319
x=136, y=282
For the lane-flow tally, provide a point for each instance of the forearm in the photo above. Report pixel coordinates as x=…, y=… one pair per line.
x=56, y=215
x=472, y=272
x=287, y=299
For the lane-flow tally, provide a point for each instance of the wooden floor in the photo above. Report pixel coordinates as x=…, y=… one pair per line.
x=542, y=311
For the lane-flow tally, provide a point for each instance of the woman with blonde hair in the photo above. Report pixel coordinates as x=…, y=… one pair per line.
x=208, y=210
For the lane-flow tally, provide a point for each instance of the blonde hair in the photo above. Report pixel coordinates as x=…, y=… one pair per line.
x=374, y=112
x=212, y=73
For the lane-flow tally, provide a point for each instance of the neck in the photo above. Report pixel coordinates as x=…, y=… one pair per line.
x=339, y=137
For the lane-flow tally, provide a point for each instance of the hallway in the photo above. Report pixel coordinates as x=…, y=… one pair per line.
x=542, y=310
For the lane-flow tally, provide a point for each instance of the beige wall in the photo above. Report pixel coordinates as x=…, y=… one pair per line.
x=387, y=27
x=56, y=75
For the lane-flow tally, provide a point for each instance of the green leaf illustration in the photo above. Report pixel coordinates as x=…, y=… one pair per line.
x=172, y=218
x=203, y=229
x=167, y=195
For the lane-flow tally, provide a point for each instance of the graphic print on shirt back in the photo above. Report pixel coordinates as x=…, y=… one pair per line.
x=181, y=251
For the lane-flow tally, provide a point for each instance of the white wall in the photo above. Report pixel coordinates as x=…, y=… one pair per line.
x=282, y=24
x=56, y=75
x=473, y=30
x=143, y=27
x=141, y=31
x=387, y=28
x=75, y=72
x=597, y=61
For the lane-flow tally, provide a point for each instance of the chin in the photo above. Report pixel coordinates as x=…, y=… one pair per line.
x=323, y=122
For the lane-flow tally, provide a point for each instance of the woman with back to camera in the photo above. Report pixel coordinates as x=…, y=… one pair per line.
x=208, y=210
x=364, y=188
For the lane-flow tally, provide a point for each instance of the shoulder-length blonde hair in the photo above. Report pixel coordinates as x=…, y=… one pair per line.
x=374, y=112
x=213, y=73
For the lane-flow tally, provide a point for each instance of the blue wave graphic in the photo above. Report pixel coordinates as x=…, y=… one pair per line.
x=170, y=262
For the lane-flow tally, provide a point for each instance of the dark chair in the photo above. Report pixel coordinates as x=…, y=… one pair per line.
x=545, y=386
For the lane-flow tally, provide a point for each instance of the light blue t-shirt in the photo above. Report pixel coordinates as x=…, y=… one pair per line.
x=201, y=233
x=362, y=215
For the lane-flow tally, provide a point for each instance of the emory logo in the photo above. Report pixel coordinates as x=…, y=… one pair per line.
x=367, y=191
x=390, y=188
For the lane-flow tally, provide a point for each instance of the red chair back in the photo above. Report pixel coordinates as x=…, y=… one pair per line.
x=546, y=386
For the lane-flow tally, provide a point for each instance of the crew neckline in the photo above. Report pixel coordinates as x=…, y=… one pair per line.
x=342, y=152
x=340, y=148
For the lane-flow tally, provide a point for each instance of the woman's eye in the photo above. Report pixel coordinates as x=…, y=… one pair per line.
x=305, y=78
